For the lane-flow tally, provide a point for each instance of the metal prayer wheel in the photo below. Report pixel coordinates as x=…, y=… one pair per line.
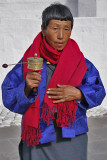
x=35, y=63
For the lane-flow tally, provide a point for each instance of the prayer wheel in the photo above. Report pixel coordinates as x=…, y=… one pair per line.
x=35, y=63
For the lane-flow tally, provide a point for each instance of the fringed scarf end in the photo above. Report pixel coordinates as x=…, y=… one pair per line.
x=47, y=113
x=31, y=135
x=66, y=114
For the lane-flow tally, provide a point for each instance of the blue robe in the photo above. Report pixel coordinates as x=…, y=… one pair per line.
x=15, y=100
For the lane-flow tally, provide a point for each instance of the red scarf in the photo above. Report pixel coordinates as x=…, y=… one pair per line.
x=70, y=69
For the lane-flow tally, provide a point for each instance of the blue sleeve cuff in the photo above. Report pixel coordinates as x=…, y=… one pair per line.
x=23, y=101
x=89, y=97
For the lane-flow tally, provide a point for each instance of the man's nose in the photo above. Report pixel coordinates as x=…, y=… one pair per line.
x=60, y=34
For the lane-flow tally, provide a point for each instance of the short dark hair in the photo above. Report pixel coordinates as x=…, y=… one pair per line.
x=56, y=11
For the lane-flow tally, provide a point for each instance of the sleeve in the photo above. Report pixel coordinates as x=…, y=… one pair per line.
x=13, y=91
x=91, y=87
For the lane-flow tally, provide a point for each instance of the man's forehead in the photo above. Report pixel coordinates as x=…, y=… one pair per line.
x=59, y=22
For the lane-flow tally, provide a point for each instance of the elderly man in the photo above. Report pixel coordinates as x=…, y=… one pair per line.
x=54, y=123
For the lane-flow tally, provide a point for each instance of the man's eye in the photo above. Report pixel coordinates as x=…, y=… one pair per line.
x=66, y=29
x=55, y=28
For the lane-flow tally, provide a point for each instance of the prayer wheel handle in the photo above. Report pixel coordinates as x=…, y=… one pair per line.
x=34, y=63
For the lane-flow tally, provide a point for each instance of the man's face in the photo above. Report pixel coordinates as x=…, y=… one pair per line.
x=57, y=33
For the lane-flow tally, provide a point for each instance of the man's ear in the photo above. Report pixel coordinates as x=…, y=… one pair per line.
x=43, y=30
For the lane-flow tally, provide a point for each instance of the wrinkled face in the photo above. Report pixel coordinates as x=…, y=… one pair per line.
x=57, y=33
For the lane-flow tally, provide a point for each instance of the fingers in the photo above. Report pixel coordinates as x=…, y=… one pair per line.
x=58, y=98
x=56, y=94
x=55, y=89
x=33, y=79
x=55, y=97
x=62, y=93
x=59, y=101
x=61, y=86
x=33, y=83
x=34, y=76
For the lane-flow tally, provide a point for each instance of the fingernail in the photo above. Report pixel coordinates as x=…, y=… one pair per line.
x=47, y=92
x=49, y=89
x=49, y=96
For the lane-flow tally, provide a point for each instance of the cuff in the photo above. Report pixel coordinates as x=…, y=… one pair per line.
x=23, y=101
x=89, y=97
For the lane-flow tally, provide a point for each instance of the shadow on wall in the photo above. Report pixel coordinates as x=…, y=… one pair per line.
x=73, y=5
x=81, y=8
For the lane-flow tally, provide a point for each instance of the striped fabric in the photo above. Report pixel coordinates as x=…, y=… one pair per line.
x=62, y=149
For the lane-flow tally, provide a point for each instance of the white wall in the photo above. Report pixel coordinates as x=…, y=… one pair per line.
x=101, y=8
x=87, y=8
x=91, y=35
x=20, y=22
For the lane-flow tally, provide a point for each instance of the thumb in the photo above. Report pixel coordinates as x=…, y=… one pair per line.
x=61, y=86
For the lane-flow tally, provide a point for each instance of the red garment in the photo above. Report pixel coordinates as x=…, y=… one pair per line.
x=70, y=69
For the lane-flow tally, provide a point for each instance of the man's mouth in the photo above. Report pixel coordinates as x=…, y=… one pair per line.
x=60, y=43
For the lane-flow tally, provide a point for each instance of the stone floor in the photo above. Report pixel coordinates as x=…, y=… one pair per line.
x=97, y=140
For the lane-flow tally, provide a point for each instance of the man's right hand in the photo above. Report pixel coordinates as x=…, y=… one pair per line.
x=32, y=81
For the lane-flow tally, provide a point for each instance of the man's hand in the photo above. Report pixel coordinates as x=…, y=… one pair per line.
x=64, y=93
x=32, y=81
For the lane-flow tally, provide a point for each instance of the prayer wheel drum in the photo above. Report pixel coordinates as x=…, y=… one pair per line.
x=35, y=63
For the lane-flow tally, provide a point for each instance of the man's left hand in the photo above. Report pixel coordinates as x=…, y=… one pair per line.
x=64, y=93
